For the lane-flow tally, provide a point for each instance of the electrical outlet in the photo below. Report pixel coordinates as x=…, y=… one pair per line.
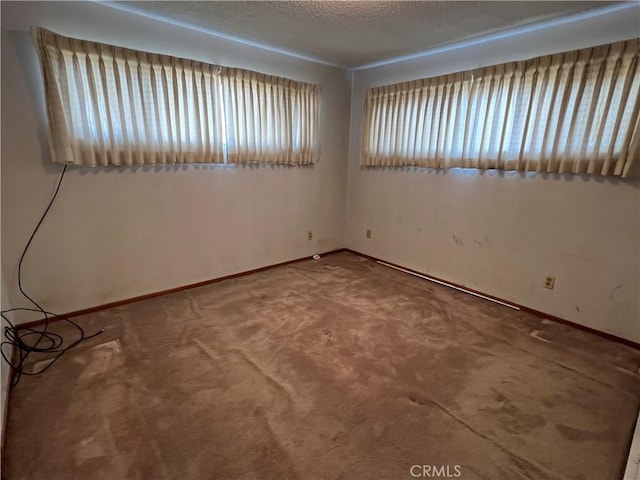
x=309, y=235
x=549, y=282
x=368, y=233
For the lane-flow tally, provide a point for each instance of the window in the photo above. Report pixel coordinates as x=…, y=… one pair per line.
x=573, y=112
x=115, y=106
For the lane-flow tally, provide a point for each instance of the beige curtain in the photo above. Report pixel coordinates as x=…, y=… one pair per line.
x=270, y=118
x=574, y=112
x=115, y=106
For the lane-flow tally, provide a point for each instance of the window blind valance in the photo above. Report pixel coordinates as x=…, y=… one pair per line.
x=573, y=112
x=109, y=105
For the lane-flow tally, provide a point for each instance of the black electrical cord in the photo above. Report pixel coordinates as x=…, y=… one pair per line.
x=30, y=340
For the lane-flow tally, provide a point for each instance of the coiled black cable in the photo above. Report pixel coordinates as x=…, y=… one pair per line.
x=30, y=340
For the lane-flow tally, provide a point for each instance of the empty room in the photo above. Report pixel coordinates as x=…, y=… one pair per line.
x=352, y=240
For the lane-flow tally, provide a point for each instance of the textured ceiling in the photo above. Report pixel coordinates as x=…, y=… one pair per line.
x=355, y=33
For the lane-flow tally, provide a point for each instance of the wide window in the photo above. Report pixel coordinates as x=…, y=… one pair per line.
x=573, y=112
x=115, y=106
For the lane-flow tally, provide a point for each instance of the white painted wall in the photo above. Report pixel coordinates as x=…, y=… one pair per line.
x=503, y=233
x=4, y=371
x=116, y=233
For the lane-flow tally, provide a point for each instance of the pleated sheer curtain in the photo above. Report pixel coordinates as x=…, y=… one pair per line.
x=109, y=105
x=574, y=112
x=271, y=118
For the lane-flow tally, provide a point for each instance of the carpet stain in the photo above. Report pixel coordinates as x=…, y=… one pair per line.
x=581, y=435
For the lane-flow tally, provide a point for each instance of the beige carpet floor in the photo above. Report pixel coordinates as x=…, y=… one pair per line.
x=333, y=369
